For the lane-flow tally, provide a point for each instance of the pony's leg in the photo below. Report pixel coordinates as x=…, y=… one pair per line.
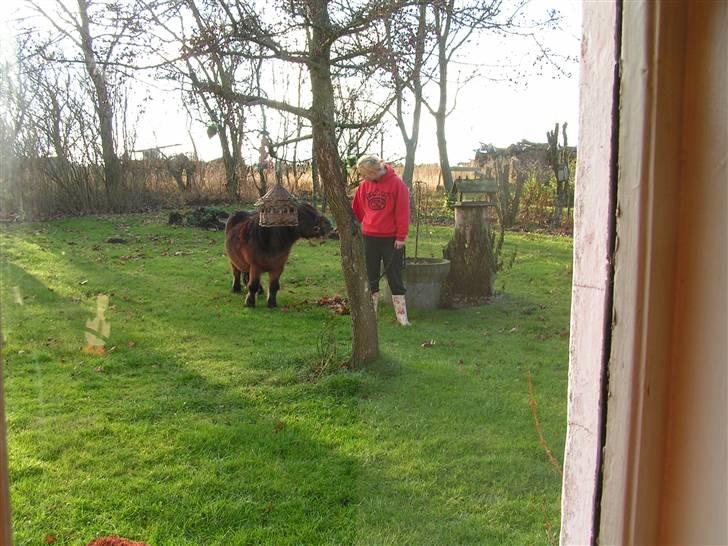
x=253, y=287
x=246, y=280
x=236, y=279
x=274, y=286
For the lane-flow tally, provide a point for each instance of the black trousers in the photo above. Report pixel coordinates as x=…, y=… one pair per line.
x=380, y=251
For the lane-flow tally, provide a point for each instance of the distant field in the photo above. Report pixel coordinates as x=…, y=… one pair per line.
x=207, y=423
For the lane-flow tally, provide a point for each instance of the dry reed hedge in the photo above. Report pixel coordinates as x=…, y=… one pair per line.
x=39, y=188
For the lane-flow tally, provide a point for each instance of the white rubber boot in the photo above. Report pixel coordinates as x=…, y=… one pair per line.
x=375, y=301
x=400, y=309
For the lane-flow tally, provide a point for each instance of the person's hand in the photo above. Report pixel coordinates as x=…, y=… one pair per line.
x=398, y=245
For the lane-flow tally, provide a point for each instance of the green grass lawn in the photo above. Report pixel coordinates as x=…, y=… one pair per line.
x=205, y=422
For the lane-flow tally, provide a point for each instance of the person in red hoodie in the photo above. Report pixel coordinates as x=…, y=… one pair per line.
x=381, y=205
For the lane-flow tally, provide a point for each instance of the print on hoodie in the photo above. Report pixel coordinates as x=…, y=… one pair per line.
x=377, y=200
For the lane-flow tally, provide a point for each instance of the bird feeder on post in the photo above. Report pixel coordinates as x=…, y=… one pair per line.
x=278, y=208
x=471, y=280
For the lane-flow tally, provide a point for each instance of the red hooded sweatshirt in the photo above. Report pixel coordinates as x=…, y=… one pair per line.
x=382, y=206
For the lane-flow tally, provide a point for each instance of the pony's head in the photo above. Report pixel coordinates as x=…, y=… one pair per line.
x=311, y=223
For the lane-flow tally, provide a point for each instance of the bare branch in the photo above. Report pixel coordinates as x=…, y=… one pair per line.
x=254, y=100
x=53, y=21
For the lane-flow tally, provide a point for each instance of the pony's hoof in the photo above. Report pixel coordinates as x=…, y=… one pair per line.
x=237, y=290
x=272, y=305
x=249, y=302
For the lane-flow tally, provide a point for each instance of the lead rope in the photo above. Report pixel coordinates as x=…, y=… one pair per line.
x=401, y=253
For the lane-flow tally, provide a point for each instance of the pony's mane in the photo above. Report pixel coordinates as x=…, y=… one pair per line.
x=306, y=211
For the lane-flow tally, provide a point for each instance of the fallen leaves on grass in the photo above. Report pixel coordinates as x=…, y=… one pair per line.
x=131, y=257
x=428, y=343
x=279, y=426
x=337, y=304
x=50, y=539
x=115, y=541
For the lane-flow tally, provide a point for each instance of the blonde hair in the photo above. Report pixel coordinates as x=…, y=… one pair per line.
x=370, y=166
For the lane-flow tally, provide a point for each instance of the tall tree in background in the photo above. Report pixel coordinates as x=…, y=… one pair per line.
x=407, y=40
x=190, y=56
x=101, y=52
x=453, y=25
x=227, y=118
x=457, y=23
x=104, y=105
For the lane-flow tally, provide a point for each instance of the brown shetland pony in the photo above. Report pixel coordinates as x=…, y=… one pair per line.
x=254, y=250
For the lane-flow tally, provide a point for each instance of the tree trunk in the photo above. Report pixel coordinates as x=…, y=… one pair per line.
x=104, y=108
x=365, y=343
x=409, y=167
x=316, y=182
x=412, y=140
x=442, y=150
x=443, y=30
x=230, y=162
x=263, y=181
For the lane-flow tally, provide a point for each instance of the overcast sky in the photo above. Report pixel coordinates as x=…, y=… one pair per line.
x=487, y=111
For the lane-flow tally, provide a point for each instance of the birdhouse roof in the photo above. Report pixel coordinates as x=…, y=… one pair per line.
x=276, y=195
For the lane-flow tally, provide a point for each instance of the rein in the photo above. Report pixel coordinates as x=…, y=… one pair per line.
x=391, y=260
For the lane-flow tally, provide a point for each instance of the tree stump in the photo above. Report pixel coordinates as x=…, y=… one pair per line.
x=471, y=280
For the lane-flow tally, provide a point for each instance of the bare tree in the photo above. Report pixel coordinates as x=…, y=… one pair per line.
x=104, y=105
x=407, y=41
x=190, y=56
x=455, y=24
x=17, y=138
x=228, y=117
x=52, y=141
x=100, y=39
